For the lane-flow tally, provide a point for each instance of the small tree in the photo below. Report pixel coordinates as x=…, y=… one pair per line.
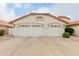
x=69, y=30
x=2, y=32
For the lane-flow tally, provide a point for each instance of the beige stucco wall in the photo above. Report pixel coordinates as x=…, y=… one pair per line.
x=3, y=27
x=76, y=30
x=32, y=18
x=47, y=19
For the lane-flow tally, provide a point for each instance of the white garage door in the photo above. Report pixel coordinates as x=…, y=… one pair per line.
x=55, y=29
x=29, y=30
x=54, y=32
x=38, y=30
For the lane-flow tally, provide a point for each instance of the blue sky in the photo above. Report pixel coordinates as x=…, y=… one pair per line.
x=25, y=7
x=9, y=11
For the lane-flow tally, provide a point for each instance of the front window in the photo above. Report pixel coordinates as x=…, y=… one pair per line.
x=54, y=25
x=30, y=24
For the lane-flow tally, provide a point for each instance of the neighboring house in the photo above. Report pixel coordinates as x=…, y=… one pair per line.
x=5, y=25
x=75, y=26
x=38, y=24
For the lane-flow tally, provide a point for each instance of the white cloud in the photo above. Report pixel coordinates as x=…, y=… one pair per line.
x=17, y=5
x=71, y=10
x=8, y=14
x=42, y=10
x=62, y=9
x=22, y=5
x=5, y=13
x=27, y=5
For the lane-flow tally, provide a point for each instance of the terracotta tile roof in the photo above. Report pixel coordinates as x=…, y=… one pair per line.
x=64, y=17
x=73, y=23
x=66, y=21
x=77, y=21
x=4, y=23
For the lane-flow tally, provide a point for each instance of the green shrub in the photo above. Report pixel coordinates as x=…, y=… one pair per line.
x=2, y=32
x=66, y=35
x=69, y=30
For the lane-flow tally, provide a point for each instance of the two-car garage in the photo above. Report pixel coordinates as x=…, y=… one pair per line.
x=37, y=29
x=38, y=24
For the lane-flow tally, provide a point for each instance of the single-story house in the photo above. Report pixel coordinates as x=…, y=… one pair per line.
x=39, y=24
x=5, y=25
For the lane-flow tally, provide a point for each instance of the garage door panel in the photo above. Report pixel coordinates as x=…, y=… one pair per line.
x=28, y=31
x=35, y=30
x=54, y=32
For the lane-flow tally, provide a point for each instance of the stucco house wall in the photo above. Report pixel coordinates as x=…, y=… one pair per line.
x=75, y=26
x=4, y=26
x=47, y=19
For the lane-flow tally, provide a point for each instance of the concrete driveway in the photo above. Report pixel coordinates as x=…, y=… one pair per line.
x=39, y=46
